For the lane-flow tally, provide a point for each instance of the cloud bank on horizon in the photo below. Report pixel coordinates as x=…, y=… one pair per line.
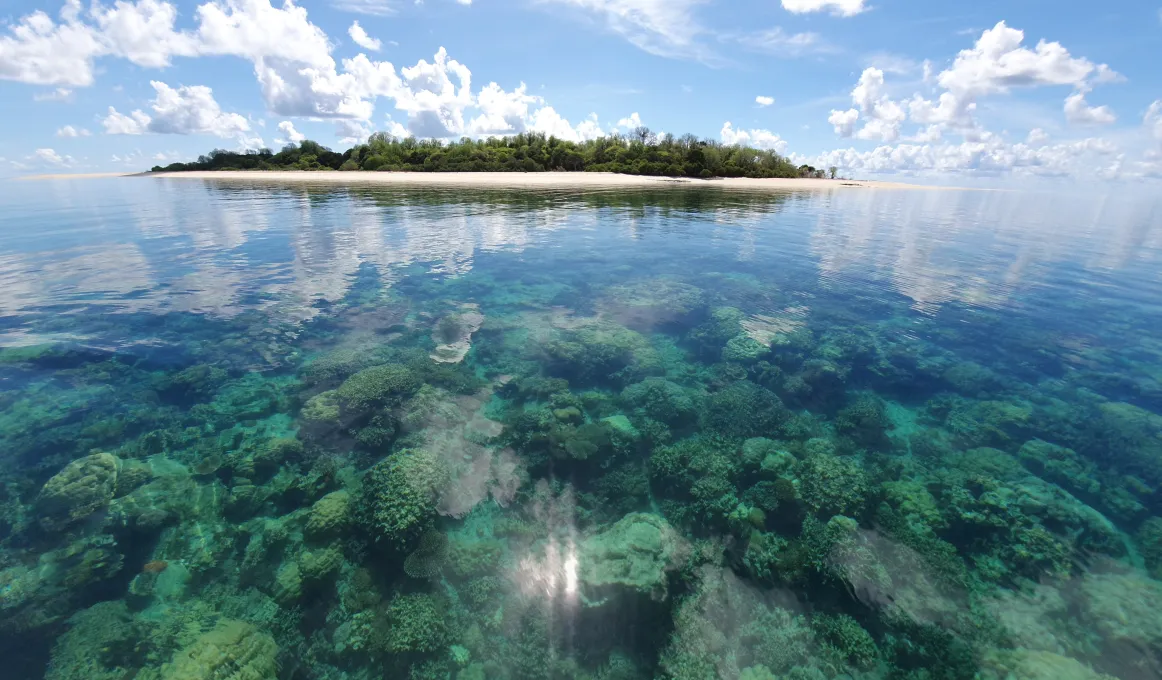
x=845, y=83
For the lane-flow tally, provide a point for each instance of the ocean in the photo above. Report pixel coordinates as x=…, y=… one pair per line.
x=327, y=433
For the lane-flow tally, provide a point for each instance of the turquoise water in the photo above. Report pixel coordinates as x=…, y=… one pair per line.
x=321, y=433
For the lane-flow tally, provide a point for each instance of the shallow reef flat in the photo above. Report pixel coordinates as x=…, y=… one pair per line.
x=614, y=440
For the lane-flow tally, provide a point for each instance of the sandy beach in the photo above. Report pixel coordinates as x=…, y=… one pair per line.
x=547, y=180
x=557, y=180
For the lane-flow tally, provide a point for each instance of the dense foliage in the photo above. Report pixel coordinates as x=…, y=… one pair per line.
x=641, y=153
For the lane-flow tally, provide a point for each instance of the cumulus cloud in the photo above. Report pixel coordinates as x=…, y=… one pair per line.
x=293, y=65
x=546, y=120
x=502, y=112
x=291, y=135
x=360, y=38
x=51, y=157
x=352, y=132
x=116, y=123
x=764, y=101
x=881, y=115
x=1079, y=112
x=991, y=156
x=630, y=122
x=843, y=8
x=759, y=139
x=186, y=110
x=998, y=63
x=70, y=131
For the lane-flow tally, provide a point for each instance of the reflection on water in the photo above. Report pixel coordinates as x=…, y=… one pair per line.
x=301, y=432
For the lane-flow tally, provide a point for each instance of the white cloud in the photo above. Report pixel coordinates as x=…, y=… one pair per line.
x=1153, y=118
x=351, y=132
x=998, y=62
x=1037, y=136
x=992, y=156
x=928, y=135
x=60, y=94
x=501, y=112
x=666, y=28
x=546, y=120
x=778, y=42
x=360, y=37
x=70, y=131
x=292, y=135
x=51, y=157
x=895, y=64
x=843, y=8
x=116, y=123
x=844, y=121
x=630, y=122
x=882, y=116
x=378, y=8
x=764, y=101
x=1079, y=112
x=759, y=139
x=187, y=110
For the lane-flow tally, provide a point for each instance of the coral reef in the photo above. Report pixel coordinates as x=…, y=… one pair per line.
x=669, y=463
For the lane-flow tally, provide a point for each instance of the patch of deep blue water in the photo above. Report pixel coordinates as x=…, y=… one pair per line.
x=262, y=431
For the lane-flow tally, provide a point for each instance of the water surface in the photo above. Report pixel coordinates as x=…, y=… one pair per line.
x=262, y=432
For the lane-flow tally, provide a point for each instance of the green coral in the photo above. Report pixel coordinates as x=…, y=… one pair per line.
x=329, y=516
x=660, y=400
x=82, y=488
x=744, y=349
x=1150, y=545
x=849, y=639
x=415, y=624
x=743, y=409
x=831, y=485
x=322, y=408
x=377, y=386
x=400, y=495
x=429, y=557
x=866, y=421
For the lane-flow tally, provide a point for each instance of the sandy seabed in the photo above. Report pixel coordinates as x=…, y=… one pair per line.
x=557, y=180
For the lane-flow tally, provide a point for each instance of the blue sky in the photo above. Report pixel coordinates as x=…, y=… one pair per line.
x=1038, y=88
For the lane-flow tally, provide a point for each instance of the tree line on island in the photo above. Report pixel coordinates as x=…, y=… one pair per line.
x=641, y=152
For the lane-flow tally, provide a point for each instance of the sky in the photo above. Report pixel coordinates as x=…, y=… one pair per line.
x=1038, y=90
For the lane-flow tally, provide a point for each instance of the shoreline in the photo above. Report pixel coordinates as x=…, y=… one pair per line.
x=557, y=180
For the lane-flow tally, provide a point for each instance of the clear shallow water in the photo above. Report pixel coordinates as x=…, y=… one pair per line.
x=325, y=433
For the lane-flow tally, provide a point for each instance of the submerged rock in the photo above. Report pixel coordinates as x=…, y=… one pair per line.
x=636, y=553
x=453, y=335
